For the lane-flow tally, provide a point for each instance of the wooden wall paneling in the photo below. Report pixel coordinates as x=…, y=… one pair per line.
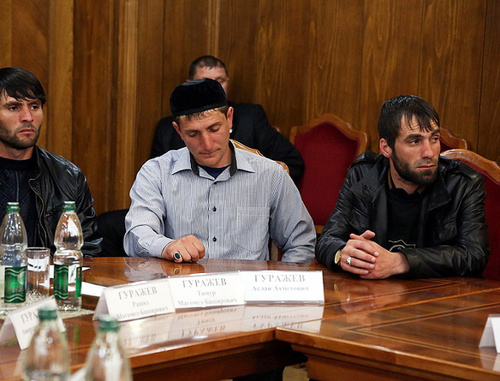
x=30, y=20
x=452, y=54
x=186, y=38
x=6, y=33
x=283, y=42
x=30, y=47
x=334, y=61
x=94, y=120
x=238, y=30
x=391, y=54
x=213, y=26
x=126, y=100
x=60, y=84
x=149, y=78
x=488, y=137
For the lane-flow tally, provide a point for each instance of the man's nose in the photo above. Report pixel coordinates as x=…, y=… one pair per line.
x=206, y=142
x=428, y=149
x=26, y=114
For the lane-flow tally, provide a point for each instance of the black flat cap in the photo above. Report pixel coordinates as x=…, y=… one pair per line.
x=196, y=96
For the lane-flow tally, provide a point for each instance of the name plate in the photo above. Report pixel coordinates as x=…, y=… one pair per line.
x=136, y=300
x=491, y=333
x=283, y=286
x=207, y=290
x=22, y=322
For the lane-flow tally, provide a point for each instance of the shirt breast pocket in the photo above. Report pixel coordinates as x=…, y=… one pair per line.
x=252, y=228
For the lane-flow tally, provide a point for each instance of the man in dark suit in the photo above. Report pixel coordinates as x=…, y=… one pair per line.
x=250, y=124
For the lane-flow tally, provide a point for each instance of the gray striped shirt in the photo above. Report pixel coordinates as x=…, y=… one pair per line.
x=233, y=216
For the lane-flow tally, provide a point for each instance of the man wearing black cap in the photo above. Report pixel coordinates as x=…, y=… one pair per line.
x=250, y=124
x=210, y=198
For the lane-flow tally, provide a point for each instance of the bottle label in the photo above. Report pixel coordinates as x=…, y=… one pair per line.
x=78, y=285
x=14, y=286
x=64, y=276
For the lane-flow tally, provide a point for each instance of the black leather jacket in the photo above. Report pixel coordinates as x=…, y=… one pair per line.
x=453, y=235
x=60, y=180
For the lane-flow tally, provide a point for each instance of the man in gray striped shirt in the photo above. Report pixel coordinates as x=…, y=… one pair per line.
x=210, y=198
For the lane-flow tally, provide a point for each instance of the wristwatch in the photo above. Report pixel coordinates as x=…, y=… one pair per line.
x=338, y=257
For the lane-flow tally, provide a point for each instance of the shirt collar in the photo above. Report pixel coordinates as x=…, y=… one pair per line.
x=187, y=162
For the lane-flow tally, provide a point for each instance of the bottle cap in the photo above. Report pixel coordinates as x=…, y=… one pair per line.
x=69, y=206
x=12, y=207
x=47, y=313
x=108, y=323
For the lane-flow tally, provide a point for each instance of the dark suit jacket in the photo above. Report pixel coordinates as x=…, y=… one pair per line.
x=250, y=127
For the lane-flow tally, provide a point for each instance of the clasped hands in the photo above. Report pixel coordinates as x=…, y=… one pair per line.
x=369, y=260
x=185, y=249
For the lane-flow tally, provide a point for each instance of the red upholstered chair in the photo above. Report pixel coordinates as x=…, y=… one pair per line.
x=450, y=141
x=328, y=146
x=491, y=173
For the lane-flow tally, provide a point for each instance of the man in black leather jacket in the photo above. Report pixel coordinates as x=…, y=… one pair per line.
x=39, y=180
x=407, y=211
x=250, y=124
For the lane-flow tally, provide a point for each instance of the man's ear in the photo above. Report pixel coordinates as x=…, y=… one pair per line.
x=176, y=126
x=229, y=119
x=230, y=114
x=384, y=148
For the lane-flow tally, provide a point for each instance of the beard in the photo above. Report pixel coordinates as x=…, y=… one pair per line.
x=403, y=169
x=14, y=141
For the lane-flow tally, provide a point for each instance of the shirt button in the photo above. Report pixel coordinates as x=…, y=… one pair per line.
x=214, y=209
x=214, y=239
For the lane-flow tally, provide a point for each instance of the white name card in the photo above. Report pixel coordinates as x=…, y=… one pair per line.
x=136, y=300
x=21, y=323
x=283, y=286
x=207, y=290
x=491, y=333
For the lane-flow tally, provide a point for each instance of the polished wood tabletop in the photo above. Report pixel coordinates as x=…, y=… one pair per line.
x=435, y=338
x=225, y=342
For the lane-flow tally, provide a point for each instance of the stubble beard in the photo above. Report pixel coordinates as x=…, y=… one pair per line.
x=404, y=171
x=15, y=142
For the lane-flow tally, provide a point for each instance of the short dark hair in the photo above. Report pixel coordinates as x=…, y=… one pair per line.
x=404, y=108
x=205, y=61
x=20, y=83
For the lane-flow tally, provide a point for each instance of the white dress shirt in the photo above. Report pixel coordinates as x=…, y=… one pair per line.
x=233, y=215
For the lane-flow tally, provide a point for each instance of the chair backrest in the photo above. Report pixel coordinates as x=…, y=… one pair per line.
x=491, y=174
x=257, y=152
x=328, y=146
x=450, y=141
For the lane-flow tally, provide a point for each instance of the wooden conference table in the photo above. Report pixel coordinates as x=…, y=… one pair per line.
x=400, y=329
